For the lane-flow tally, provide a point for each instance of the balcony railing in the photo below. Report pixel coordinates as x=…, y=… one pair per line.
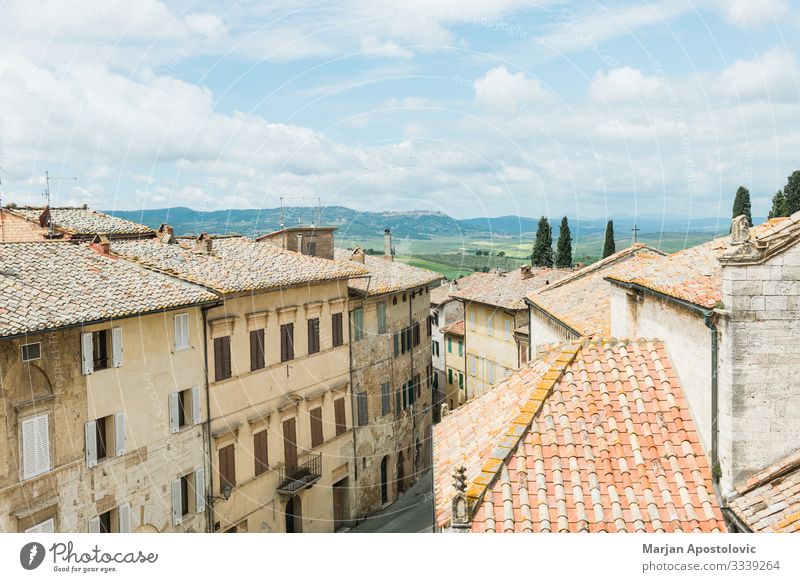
x=308, y=470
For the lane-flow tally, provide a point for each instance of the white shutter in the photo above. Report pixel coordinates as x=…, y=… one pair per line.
x=200, y=489
x=91, y=443
x=94, y=525
x=28, y=430
x=181, y=331
x=124, y=518
x=87, y=356
x=119, y=433
x=116, y=346
x=177, y=516
x=173, y=413
x=48, y=526
x=196, y=405
x=42, y=444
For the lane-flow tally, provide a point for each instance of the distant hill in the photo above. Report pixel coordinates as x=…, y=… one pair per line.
x=415, y=224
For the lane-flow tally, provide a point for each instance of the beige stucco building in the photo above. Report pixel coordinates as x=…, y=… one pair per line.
x=89, y=377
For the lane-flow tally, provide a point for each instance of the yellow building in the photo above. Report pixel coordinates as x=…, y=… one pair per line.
x=94, y=353
x=454, y=365
x=280, y=436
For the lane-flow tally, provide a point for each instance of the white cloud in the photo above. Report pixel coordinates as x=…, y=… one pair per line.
x=771, y=77
x=501, y=90
x=752, y=13
x=624, y=84
x=372, y=47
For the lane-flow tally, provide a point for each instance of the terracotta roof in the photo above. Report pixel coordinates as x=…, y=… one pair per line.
x=47, y=285
x=83, y=221
x=582, y=300
x=455, y=328
x=506, y=290
x=386, y=276
x=441, y=294
x=604, y=443
x=770, y=500
x=468, y=434
x=236, y=264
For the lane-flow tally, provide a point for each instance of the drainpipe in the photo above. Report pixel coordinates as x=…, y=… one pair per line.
x=413, y=387
x=210, y=496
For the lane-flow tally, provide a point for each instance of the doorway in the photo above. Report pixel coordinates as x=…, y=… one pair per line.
x=294, y=516
x=341, y=504
x=401, y=487
x=384, y=480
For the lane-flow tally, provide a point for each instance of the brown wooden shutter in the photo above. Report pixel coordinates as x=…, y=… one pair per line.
x=260, y=452
x=338, y=332
x=313, y=335
x=257, y=349
x=222, y=358
x=341, y=419
x=287, y=342
x=218, y=359
x=290, y=444
x=316, y=427
x=227, y=466
x=416, y=334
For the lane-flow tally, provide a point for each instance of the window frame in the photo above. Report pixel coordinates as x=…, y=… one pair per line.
x=29, y=345
x=182, y=317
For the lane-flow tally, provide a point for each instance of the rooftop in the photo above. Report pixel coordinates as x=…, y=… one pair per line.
x=48, y=285
x=385, y=276
x=455, y=328
x=506, y=290
x=83, y=221
x=770, y=500
x=603, y=442
x=235, y=264
x=441, y=294
x=582, y=300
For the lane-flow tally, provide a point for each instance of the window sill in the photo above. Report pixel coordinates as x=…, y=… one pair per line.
x=276, y=365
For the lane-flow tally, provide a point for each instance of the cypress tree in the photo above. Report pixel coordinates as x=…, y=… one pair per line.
x=791, y=194
x=609, y=247
x=777, y=205
x=543, y=247
x=564, y=246
x=741, y=204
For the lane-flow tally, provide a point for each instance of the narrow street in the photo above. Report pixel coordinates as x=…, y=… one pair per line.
x=412, y=513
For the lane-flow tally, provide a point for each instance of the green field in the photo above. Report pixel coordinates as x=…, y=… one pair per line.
x=456, y=257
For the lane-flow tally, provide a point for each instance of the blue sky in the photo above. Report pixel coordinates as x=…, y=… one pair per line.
x=473, y=108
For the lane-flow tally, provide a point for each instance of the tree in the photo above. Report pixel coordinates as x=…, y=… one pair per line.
x=741, y=204
x=564, y=246
x=543, y=247
x=791, y=194
x=609, y=247
x=501, y=254
x=777, y=205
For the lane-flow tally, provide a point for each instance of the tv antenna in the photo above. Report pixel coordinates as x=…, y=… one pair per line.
x=319, y=208
x=635, y=230
x=46, y=192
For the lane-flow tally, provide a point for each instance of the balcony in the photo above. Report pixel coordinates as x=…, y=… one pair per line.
x=293, y=479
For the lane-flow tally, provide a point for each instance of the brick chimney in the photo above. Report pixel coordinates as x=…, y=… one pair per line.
x=166, y=234
x=358, y=255
x=101, y=245
x=202, y=244
x=525, y=270
x=387, y=245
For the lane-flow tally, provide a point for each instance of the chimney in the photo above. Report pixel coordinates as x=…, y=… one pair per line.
x=44, y=217
x=358, y=255
x=387, y=245
x=101, y=245
x=525, y=270
x=166, y=234
x=202, y=244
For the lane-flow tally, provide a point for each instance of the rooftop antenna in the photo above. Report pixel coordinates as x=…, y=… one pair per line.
x=635, y=230
x=319, y=208
x=46, y=192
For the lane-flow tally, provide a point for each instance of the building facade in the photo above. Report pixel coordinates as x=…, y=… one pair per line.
x=445, y=311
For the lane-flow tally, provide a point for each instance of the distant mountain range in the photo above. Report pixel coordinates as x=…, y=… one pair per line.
x=415, y=224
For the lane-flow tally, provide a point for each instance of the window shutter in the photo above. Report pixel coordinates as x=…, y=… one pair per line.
x=181, y=331
x=386, y=399
x=341, y=418
x=396, y=343
x=46, y=527
x=93, y=525
x=196, y=405
x=338, y=333
x=173, y=412
x=261, y=452
x=124, y=518
x=90, y=429
x=87, y=357
x=316, y=426
x=177, y=516
x=116, y=346
x=119, y=433
x=28, y=427
x=200, y=489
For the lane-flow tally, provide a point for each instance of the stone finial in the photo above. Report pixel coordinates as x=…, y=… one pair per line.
x=445, y=409
x=740, y=230
x=460, y=509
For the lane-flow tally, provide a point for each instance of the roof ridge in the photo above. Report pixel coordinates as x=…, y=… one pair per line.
x=489, y=471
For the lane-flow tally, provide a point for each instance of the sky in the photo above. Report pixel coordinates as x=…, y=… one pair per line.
x=473, y=108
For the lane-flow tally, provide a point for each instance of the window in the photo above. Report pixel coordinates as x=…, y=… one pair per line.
x=341, y=419
x=507, y=329
x=386, y=398
x=105, y=438
x=287, y=342
x=260, y=452
x=473, y=365
x=490, y=371
x=472, y=320
x=338, y=335
x=435, y=348
x=181, y=331
x=257, y=359
x=396, y=343
x=184, y=409
x=523, y=354
x=417, y=386
x=31, y=352
x=416, y=333
x=429, y=325
x=189, y=495
x=435, y=318
x=290, y=444
x=222, y=358
x=460, y=380
x=449, y=345
x=35, y=439
x=460, y=347
x=358, y=324
x=227, y=466
x=101, y=349
x=490, y=325
x=313, y=335
x=381, y=311
x=316, y=426
x=363, y=409
x=449, y=375
x=47, y=526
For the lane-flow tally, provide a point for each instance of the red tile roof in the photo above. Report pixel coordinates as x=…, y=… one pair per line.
x=455, y=328
x=770, y=499
x=605, y=443
x=506, y=290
